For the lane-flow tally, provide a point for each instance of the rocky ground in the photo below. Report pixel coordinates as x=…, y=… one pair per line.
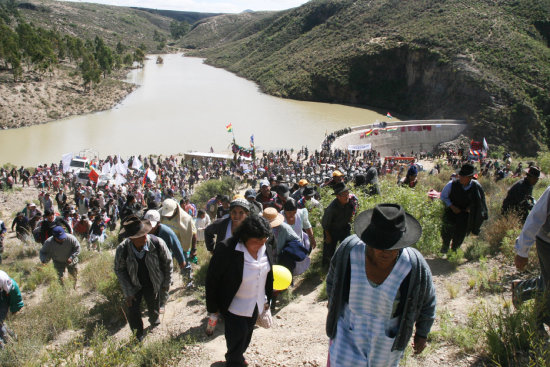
x=38, y=99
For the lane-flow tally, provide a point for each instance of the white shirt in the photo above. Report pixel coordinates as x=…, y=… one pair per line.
x=229, y=234
x=251, y=293
x=534, y=226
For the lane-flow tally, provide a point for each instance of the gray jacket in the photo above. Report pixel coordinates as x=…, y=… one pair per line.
x=158, y=261
x=60, y=252
x=418, y=309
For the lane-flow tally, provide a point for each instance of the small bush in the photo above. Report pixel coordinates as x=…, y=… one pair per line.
x=509, y=334
x=495, y=232
x=210, y=188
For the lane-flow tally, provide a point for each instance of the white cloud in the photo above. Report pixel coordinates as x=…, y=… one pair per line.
x=207, y=6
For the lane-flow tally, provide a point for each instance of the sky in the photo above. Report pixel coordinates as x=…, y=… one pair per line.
x=206, y=6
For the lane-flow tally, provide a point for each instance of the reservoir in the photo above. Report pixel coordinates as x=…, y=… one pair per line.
x=183, y=105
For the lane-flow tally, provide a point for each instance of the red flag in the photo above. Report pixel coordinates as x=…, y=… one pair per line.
x=93, y=176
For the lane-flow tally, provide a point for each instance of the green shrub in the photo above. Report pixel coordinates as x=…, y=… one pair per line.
x=509, y=334
x=210, y=188
x=495, y=232
x=416, y=202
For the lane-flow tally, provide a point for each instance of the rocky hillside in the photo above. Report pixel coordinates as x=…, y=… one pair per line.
x=487, y=61
x=85, y=20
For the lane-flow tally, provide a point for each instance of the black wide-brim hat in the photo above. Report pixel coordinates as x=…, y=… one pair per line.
x=339, y=188
x=387, y=227
x=467, y=169
x=133, y=227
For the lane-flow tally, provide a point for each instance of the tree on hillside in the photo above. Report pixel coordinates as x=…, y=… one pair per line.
x=139, y=56
x=179, y=29
x=9, y=50
x=128, y=59
x=89, y=69
x=120, y=48
x=104, y=56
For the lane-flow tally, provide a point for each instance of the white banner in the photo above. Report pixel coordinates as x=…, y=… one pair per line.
x=66, y=159
x=119, y=180
x=136, y=164
x=152, y=175
x=106, y=168
x=360, y=147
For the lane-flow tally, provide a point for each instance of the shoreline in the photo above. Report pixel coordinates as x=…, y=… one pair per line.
x=40, y=100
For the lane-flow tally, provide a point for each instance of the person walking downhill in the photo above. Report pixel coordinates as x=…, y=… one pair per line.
x=143, y=266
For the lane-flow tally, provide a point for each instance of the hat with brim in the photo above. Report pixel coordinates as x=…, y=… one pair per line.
x=168, y=208
x=387, y=227
x=309, y=191
x=59, y=233
x=275, y=218
x=133, y=227
x=466, y=170
x=339, y=188
x=533, y=172
x=240, y=202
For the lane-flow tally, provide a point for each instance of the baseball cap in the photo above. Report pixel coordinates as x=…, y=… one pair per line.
x=59, y=233
x=153, y=216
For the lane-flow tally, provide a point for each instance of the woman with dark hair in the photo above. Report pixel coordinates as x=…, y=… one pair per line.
x=225, y=227
x=239, y=284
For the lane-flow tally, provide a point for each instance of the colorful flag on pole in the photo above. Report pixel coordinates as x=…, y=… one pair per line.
x=252, y=140
x=93, y=175
x=229, y=127
x=368, y=132
x=388, y=115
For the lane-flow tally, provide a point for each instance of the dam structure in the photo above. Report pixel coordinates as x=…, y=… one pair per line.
x=390, y=138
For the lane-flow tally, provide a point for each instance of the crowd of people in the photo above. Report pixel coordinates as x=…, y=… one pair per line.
x=375, y=279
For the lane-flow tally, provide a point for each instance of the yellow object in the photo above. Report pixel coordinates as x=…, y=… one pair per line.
x=281, y=278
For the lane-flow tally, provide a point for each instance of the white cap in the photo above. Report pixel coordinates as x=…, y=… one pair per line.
x=153, y=216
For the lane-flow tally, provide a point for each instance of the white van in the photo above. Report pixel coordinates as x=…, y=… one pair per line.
x=78, y=164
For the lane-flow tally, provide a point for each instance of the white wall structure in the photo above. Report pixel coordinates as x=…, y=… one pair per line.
x=402, y=136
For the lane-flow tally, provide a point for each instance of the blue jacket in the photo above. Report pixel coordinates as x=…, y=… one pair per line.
x=418, y=309
x=172, y=241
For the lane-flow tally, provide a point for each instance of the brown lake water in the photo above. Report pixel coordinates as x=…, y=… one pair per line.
x=183, y=105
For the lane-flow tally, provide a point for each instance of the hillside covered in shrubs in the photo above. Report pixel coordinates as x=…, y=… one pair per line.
x=484, y=61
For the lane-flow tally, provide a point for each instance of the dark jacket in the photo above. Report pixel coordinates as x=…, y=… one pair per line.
x=417, y=310
x=216, y=229
x=478, y=208
x=225, y=275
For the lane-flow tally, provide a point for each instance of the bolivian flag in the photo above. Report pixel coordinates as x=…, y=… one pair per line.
x=229, y=127
x=368, y=132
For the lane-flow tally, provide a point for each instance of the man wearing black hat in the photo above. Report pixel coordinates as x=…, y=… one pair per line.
x=143, y=265
x=465, y=208
x=308, y=200
x=520, y=195
x=337, y=218
x=379, y=291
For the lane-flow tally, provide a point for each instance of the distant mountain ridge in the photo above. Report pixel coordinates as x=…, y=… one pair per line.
x=188, y=16
x=487, y=61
